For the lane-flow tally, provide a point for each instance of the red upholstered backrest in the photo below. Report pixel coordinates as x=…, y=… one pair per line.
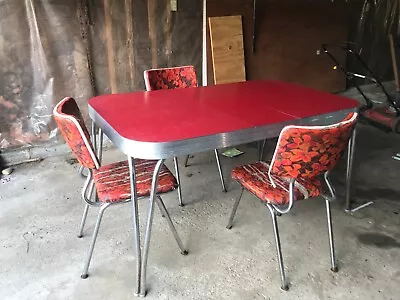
x=70, y=123
x=308, y=151
x=170, y=78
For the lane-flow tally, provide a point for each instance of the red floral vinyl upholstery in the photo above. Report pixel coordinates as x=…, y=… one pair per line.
x=254, y=177
x=170, y=78
x=113, y=184
x=308, y=151
x=70, y=123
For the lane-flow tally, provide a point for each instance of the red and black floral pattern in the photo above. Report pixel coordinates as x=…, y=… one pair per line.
x=254, y=177
x=306, y=152
x=70, y=123
x=170, y=78
x=113, y=184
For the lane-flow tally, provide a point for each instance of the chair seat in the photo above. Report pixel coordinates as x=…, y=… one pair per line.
x=254, y=177
x=113, y=181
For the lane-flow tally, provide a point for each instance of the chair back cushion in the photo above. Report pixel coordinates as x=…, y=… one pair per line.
x=70, y=123
x=170, y=78
x=308, y=151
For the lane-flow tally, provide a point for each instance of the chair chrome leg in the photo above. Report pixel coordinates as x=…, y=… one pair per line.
x=284, y=285
x=153, y=196
x=164, y=211
x=81, y=171
x=221, y=175
x=85, y=212
x=178, y=178
x=186, y=161
x=85, y=274
x=235, y=206
x=350, y=156
x=334, y=267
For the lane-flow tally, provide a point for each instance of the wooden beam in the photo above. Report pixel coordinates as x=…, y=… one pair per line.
x=110, y=48
x=129, y=41
x=152, y=18
x=168, y=31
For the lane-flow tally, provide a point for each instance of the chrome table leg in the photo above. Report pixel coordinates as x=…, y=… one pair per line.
x=235, y=206
x=153, y=195
x=221, y=175
x=135, y=221
x=94, y=136
x=100, y=146
x=261, y=153
x=186, y=160
x=178, y=178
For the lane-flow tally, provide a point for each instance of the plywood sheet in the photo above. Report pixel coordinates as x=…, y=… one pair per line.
x=227, y=49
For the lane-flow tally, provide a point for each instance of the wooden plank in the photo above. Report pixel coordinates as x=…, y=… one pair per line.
x=227, y=53
x=129, y=41
x=152, y=19
x=110, y=47
x=168, y=31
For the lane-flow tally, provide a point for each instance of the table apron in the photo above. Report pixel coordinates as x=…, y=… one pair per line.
x=162, y=150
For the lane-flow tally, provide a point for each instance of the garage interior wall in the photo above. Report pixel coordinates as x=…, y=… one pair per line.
x=81, y=48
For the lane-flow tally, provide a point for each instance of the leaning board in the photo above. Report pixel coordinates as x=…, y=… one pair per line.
x=227, y=53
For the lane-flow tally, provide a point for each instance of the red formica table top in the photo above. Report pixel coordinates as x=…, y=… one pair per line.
x=179, y=114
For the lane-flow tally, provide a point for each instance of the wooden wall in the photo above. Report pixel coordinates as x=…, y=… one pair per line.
x=288, y=34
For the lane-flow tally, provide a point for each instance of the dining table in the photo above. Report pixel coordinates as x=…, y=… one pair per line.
x=169, y=123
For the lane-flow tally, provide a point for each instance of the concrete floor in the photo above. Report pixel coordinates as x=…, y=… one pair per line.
x=41, y=257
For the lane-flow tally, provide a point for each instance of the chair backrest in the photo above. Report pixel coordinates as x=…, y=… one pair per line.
x=309, y=151
x=170, y=78
x=70, y=123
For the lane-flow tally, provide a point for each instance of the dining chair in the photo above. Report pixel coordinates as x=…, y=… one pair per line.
x=172, y=78
x=110, y=182
x=302, y=156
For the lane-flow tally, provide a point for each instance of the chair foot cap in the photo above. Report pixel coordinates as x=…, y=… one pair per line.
x=224, y=191
x=335, y=269
x=184, y=252
x=285, y=288
x=182, y=205
x=229, y=227
x=80, y=236
x=84, y=276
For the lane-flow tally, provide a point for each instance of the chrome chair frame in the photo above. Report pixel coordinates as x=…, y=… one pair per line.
x=87, y=195
x=276, y=210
